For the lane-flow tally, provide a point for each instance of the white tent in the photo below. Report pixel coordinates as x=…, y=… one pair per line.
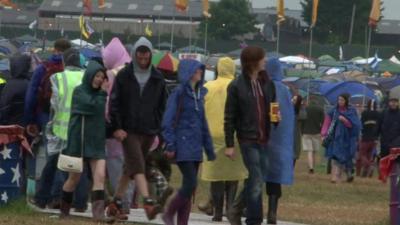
x=78, y=42
x=394, y=59
x=366, y=61
x=295, y=60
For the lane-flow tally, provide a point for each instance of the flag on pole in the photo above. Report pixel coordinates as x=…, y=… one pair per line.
x=85, y=27
x=206, y=7
x=375, y=14
x=87, y=7
x=148, y=31
x=280, y=11
x=33, y=25
x=181, y=5
x=375, y=62
x=314, y=13
x=102, y=4
x=8, y=4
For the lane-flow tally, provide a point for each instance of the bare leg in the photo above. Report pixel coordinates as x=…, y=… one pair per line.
x=141, y=184
x=99, y=173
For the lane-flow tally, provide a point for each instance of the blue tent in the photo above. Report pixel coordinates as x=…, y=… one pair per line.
x=90, y=53
x=387, y=83
x=331, y=91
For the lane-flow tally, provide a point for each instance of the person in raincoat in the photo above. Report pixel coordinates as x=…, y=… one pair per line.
x=186, y=134
x=279, y=154
x=224, y=179
x=343, y=125
x=13, y=95
x=115, y=57
x=87, y=137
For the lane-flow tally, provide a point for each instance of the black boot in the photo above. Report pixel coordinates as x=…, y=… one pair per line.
x=230, y=193
x=217, y=193
x=235, y=212
x=272, y=209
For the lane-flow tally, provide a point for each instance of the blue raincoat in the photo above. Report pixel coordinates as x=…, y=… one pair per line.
x=344, y=145
x=279, y=159
x=185, y=128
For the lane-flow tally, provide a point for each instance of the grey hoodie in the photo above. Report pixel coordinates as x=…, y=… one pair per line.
x=142, y=75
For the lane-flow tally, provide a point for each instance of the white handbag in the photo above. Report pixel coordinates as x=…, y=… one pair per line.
x=70, y=163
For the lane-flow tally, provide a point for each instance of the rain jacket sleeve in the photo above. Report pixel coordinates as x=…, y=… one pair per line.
x=207, y=140
x=231, y=106
x=168, y=123
x=86, y=104
x=31, y=95
x=115, y=105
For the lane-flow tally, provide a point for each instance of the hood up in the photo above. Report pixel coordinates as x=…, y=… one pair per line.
x=20, y=66
x=226, y=68
x=274, y=69
x=115, y=54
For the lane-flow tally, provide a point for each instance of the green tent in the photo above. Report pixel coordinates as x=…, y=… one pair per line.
x=326, y=58
x=387, y=65
x=302, y=73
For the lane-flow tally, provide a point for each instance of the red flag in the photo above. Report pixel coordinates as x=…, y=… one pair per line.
x=8, y=3
x=375, y=14
x=87, y=7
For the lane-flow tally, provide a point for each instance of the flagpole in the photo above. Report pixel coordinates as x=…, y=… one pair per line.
x=103, y=23
x=205, y=35
x=366, y=59
x=352, y=23
x=309, y=58
x=190, y=33
x=172, y=31
x=278, y=31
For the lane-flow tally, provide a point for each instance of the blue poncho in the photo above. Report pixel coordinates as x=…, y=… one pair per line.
x=344, y=145
x=279, y=159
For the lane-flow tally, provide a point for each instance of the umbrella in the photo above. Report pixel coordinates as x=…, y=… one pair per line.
x=168, y=63
x=156, y=58
x=331, y=91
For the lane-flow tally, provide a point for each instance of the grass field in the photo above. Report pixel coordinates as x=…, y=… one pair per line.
x=311, y=200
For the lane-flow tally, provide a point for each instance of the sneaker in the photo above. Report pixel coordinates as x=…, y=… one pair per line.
x=36, y=204
x=114, y=211
x=152, y=208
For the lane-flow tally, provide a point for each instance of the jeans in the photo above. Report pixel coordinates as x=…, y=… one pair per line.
x=253, y=157
x=189, y=172
x=54, y=178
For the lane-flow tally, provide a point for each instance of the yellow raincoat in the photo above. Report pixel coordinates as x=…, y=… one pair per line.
x=223, y=168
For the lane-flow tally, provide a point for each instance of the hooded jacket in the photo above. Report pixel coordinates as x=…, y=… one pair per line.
x=279, y=155
x=241, y=110
x=221, y=168
x=12, y=98
x=35, y=113
x=185, y=128
x=87, y=103
x=133, y=110
x=389, y=130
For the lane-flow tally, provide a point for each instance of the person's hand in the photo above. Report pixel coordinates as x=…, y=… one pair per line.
x=120, y=135
x=342, y=118
x=230, y=153
x=105, y=85
x=170, y=154
x=32, y=130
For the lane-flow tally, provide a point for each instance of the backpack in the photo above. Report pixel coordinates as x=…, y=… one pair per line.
x=44, y=91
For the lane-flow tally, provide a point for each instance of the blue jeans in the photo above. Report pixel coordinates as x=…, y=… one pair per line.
x=254, y=160
x=189, y=172
x=54, y=178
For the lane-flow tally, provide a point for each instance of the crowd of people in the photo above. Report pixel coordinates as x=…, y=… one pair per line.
x=116, y=114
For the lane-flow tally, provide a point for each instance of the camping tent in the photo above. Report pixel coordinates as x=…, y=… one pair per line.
x=331, y=91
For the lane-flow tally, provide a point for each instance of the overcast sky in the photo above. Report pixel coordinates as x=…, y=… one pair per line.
x=392, y=7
